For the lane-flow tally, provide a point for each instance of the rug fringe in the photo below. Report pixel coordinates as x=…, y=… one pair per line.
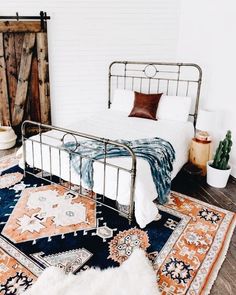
x=214, y=273
x=2, y=159
x=9, y=155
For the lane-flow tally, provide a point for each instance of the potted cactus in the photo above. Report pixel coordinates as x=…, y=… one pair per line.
x=218, y=170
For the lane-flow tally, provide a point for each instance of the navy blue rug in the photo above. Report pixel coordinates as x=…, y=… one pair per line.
x=42, y=224
x=104, y=239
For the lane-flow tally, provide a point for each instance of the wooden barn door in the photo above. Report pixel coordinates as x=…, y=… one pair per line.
x=24, y=73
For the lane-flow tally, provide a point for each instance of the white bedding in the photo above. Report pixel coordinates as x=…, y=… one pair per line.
x=116, y=125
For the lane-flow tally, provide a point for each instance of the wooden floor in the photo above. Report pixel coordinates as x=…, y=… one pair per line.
x=225, y=283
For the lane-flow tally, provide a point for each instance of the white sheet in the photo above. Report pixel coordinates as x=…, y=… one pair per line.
x=116, y=125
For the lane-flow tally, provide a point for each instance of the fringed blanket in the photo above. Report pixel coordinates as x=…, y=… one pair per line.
x=158, y=152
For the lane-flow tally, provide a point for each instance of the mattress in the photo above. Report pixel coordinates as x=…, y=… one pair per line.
x=116, y=125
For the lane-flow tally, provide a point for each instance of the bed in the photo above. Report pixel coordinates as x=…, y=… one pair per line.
x=126, y=180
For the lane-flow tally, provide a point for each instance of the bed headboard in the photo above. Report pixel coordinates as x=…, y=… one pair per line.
x=183, y=79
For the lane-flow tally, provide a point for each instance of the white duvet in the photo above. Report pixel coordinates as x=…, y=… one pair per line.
x=116, y=125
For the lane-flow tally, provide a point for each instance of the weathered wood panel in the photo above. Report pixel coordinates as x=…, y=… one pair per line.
x=11, y=66
x=18, y=26
x=43, y=73
x=33, y=90
x=24, y=78
x=22, y=86
x=4, y=105
x=19, y=39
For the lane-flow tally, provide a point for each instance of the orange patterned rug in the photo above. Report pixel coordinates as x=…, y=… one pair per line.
x=192, y=263
x=43, y=225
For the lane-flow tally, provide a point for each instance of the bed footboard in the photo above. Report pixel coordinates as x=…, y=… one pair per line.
x=49, y=141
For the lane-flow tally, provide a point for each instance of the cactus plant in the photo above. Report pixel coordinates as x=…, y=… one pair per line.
x=221, y=157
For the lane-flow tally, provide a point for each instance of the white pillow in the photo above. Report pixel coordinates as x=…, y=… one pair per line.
x=174, y=108
x=123, y=100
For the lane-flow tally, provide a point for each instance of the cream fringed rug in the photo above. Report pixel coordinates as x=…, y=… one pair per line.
x=44, y=225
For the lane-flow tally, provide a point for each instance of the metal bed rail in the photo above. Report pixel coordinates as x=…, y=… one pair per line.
x=43, y=131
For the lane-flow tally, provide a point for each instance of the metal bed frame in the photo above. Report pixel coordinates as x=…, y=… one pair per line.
x=147, y=77
x=178, y=79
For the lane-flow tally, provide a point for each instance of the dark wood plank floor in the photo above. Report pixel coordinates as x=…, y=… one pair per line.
x=225, y=198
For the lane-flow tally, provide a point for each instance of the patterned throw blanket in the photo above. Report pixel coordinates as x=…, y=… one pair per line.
x=158, y=152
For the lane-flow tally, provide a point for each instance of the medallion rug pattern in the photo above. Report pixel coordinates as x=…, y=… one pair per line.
x=43, y=224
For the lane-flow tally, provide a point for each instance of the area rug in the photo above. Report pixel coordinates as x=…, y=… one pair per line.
x=45, y=225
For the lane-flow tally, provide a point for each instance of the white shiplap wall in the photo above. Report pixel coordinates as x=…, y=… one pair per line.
x=85, y=36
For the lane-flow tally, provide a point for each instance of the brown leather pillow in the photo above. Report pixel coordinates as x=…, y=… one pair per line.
x=145, y=105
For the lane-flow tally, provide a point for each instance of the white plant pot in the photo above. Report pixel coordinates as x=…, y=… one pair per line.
x=7, y=137
x=216, y=177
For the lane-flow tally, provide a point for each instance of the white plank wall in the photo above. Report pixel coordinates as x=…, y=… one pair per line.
x=85, y=36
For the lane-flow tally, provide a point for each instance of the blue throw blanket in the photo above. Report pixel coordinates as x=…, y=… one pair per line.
x=158, y=152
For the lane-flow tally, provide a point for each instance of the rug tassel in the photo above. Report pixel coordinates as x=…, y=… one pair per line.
x=34, y=242
x=75, y=234
x=62, y=236
x=222, y=257
x=49, y=239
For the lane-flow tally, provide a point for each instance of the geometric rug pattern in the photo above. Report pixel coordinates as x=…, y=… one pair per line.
x=47, y=211
x=43, y=224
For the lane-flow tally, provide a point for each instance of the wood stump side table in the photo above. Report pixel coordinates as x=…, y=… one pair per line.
x=200, y=152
